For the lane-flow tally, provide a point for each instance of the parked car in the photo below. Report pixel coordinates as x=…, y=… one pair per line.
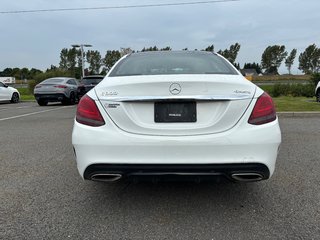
x=58, y=89
x=88, y=83
x=166, y=115
x=318, y=92
x=9, y=93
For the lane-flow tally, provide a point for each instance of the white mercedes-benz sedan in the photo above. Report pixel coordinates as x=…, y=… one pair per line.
x=176, y=115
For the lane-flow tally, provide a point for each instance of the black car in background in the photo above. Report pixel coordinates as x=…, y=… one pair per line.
x=87, y=83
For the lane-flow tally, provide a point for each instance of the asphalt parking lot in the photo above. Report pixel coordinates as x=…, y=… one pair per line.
x=43, y=197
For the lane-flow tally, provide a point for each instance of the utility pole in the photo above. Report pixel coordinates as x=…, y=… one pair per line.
x=81, y=46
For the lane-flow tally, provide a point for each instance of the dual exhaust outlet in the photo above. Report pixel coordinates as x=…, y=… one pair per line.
x=106, y=177
x=239, y=177
x=247, y=177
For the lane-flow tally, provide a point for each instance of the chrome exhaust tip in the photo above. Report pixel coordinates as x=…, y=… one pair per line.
x=247, y=177
x=106, y=177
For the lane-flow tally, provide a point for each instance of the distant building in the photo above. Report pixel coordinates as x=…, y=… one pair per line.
x=8, y=80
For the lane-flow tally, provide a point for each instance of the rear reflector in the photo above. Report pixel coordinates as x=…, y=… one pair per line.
x=88, y=113
x=264, y=111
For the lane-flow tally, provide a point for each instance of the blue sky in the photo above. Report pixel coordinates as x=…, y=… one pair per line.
x=36, y=39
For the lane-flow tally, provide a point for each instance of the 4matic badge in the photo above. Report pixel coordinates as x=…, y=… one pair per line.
x=242, y=92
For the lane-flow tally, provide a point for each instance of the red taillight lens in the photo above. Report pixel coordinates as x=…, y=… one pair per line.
x=88, y=113
x=60, y=86
x=264, y=111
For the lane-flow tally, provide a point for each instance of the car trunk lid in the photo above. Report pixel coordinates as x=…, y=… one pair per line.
x=175, y=105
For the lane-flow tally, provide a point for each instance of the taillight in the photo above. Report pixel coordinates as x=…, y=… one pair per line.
x=60, y=86
x=88, y=113
x=264, y=111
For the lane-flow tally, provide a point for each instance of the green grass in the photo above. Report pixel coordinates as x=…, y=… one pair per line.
x=281, y=78
x=296, y=104
x=25, y=94
x=267, y=88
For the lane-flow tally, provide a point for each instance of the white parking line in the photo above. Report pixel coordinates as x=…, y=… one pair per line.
x=28, y=114
x=24, y=107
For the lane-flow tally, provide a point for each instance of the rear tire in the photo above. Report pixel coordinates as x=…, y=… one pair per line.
x=64, y=102
x=15, y=98
x=72, y=99
x=42, y=103
x=318, y=96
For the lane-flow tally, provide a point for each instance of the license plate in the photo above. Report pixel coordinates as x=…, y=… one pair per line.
x=175, y=112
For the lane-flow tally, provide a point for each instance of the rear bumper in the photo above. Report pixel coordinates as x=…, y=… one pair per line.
x=193, y=172
x=52, y=97
x=99, y=148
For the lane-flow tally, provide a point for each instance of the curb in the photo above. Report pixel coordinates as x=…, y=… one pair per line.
x=298, y=114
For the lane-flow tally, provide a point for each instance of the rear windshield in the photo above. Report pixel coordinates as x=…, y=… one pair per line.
x=163, y=63
x=89, y=81
x=53, y=80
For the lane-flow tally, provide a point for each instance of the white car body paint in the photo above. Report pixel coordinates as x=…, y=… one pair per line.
x=6, y=92
x=317, y=92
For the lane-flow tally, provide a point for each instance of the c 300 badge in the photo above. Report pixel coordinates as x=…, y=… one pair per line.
x=111, y=93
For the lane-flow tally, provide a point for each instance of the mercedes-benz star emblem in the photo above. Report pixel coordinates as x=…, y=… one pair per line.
x=175, y=88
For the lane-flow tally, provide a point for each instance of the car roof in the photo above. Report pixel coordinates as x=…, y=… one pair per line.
x=93, y=76
x=195, y=52
x=62, y=79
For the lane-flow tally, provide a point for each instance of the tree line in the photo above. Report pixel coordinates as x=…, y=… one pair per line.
x=271, y=60
x=20, y=73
